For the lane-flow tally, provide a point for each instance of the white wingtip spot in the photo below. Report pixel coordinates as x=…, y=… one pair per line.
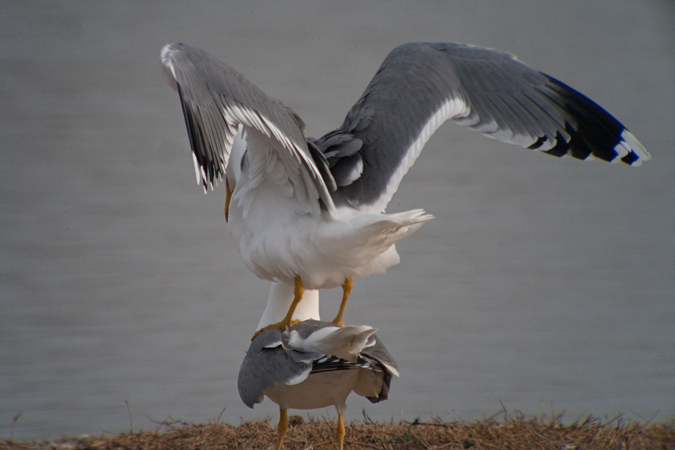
x=629, y=143
x=166, y=57
x=198, y=169
x=169, y=74
x=165, y=52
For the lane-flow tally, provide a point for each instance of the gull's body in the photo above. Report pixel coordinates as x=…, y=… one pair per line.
x=315, y=364
x=280, y=238
x=309, y=213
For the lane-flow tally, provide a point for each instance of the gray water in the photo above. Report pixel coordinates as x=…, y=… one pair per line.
x=544, y=285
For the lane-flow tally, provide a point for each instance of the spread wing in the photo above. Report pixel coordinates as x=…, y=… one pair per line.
x=217, y=100
x=421, y=85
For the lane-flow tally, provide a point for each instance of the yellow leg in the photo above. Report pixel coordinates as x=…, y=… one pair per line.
x=346, y=290
x=286, y=321
x=340, y=432
x=281, y=428
x=228, y=197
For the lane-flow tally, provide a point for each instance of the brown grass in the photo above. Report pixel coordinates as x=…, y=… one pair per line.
x=517, y=432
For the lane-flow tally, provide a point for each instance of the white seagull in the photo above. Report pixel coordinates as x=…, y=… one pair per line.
x=309, y=213
x=315, y=364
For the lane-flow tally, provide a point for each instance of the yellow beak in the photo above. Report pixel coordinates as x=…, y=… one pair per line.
x=227, y=200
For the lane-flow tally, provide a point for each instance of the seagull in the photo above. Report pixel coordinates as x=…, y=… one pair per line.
x=315, y=364
x=310, y=213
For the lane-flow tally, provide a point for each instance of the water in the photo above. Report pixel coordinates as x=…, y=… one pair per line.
x=544, y=285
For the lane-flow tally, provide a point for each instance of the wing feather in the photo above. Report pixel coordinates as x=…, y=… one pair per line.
x=216, y=99
x=421, y=85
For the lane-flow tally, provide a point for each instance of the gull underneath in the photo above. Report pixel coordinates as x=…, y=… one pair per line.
x=314, y=364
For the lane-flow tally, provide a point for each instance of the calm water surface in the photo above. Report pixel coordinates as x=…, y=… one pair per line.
x=544, y=285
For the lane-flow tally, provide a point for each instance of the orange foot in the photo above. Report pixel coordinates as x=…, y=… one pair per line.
x=286, y=321
x=276, y=326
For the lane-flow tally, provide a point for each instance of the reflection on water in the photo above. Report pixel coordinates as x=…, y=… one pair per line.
x=544, y=284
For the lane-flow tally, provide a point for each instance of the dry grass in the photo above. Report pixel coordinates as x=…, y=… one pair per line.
x=516, y=432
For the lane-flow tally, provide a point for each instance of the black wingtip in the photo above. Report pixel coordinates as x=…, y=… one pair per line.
x=591, y=131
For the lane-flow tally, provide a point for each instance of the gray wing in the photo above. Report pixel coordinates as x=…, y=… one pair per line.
x=376, y=356
x=376, y=351
x=217, y=100
x=421, y=85
x=267, y=363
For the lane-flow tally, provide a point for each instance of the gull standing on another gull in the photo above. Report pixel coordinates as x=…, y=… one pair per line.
x=315, y=364
x=309, y=213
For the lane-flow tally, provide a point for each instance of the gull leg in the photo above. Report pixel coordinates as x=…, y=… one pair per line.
x=282, y=427
x=340, y=432
x=346, y=290
x=286, y=321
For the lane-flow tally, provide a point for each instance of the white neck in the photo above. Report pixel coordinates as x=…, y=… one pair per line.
x=281, y=298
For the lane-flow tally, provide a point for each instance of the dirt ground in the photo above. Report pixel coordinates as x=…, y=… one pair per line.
x=516, y=432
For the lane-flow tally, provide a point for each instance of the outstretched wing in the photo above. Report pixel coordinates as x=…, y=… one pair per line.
x=217, y=100
x=421, y=85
